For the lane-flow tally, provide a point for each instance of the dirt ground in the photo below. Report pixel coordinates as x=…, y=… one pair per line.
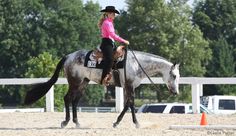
x=100, y=124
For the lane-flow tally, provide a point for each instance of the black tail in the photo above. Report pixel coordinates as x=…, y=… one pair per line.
x=39, y=90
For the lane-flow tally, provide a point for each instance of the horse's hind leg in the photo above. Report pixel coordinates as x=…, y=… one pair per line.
x=74, y=110
x=78, y=94
x=67, y=101
x=71, y=96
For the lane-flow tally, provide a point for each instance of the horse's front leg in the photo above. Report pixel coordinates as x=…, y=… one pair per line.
x=132, y=107
x=120, y=117
x=131, y=94
x=129, y=90
x=129, y=103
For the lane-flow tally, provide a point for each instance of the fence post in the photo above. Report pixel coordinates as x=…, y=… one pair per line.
x=50, y=100
x=119, y=99
x=196, y=92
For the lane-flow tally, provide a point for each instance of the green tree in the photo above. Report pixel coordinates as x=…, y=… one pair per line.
x=30, y=27
x=222, y=65
x=57, y=26
x=217, y=20
x=13, y=56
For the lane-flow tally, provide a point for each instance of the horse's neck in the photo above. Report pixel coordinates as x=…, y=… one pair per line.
x=154, y=65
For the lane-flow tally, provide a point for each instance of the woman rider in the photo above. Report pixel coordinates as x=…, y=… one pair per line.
x=108, y=37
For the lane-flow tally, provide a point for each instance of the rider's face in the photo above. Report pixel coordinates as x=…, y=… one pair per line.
x=111, y=15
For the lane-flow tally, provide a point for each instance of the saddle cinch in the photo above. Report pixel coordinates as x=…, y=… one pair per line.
x=94, y=58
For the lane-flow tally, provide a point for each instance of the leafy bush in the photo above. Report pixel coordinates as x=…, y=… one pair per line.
x=41, y=67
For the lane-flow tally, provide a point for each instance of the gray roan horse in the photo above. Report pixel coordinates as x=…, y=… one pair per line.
x=78, y=77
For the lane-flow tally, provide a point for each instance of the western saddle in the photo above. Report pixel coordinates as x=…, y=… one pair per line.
x=98, y=56
x=118, y=53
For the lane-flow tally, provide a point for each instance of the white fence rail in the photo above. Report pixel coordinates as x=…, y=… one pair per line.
x=96, y=109
x=195, y=82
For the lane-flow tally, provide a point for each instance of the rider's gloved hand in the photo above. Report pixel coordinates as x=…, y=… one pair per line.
x=126, y=42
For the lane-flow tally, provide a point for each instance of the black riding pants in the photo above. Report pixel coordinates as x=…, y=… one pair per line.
x=107, y=50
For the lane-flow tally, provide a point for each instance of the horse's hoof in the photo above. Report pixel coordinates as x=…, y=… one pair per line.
x=137, y=125
x=115, y=125
x=77, y=125
x=64, y=124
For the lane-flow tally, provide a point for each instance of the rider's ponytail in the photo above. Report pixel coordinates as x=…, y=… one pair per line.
x=102, y=18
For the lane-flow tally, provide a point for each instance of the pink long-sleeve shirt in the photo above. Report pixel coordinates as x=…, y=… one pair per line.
x=108, y=31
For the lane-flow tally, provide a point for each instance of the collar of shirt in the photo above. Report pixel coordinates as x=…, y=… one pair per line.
x=109, y=19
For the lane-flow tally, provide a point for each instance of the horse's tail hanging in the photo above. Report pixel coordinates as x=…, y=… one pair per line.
x=39, y=90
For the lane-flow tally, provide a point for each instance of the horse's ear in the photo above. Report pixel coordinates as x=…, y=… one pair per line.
x=175, y=65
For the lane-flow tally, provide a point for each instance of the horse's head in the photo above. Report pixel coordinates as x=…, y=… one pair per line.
x=171, y=78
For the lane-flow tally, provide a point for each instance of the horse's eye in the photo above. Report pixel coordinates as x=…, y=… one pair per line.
x=174, y=76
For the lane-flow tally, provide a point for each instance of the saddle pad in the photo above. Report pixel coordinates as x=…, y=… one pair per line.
x=99, y=65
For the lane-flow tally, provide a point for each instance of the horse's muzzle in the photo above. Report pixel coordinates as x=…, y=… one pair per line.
x=173, y=90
